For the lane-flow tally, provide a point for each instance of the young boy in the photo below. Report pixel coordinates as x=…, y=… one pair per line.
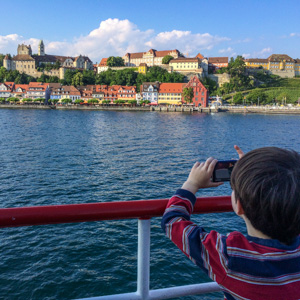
x=265, y=264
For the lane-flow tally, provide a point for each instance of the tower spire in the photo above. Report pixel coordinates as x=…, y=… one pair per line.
x=41, y=49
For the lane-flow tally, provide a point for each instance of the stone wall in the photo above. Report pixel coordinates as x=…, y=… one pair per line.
x=281, y=73
x=220, y=79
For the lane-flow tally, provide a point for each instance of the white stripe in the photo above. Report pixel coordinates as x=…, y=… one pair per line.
x=234, y=251
x=280, y=280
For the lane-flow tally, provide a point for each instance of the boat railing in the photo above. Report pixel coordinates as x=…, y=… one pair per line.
x=143, y=210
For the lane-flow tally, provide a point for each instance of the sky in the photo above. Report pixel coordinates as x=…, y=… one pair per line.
x=99, y=29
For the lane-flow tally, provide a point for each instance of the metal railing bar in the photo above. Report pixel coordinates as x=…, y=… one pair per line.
x=143, y=271
x=165, y=293
x=184, y=290
x=57, y=214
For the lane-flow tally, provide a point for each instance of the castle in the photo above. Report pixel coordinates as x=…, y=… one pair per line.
x=26, y=62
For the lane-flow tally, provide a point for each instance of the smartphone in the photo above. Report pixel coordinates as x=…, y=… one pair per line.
x=222, y=170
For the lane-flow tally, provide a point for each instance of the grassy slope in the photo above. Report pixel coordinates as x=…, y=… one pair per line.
x=282, y=87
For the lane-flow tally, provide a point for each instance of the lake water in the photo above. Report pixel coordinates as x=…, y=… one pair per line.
x=67, y=157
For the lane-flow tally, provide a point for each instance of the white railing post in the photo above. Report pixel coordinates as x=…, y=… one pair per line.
x=143, y=272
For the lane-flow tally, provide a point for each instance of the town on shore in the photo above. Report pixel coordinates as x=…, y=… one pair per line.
x=148, y=78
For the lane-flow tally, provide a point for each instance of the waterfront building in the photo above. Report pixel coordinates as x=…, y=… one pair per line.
x=97, y=92
x=20, y=90
x=277, y=64
x=110, y=93
x=126, y=92
x=28, y=63
x=149, y=91
x=151, y=57
x=6, y=89
x=38, y=90
x=65, y=92
x=200, y=92
x=170, y=93
x=215, y=63
x=86, y=92
x=102, y=66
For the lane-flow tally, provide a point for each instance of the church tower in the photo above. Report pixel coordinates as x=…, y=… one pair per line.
x=41, y=49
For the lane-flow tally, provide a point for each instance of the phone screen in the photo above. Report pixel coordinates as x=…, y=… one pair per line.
x=222, y=170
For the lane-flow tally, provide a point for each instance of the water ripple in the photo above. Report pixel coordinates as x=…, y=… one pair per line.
x=54, y=157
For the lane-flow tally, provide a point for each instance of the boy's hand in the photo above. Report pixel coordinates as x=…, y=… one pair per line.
x=200, y=176
x=239, y=151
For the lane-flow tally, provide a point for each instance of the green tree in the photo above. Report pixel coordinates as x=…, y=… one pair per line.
x=43, y=78
x=257, y=97
x=105, y=101
x=120, y=101
x=115, y=61
x=77, y=79
x=188, y=94
x=93, y=101
x=236, y=66
x=1, y=59
x=88, y=77
x=143, y=102
x=13, y=99
x=69, y=74
x=166, y=59
x=210, y=84
x=56, y=65
x=54, y=101
x=66, y=101
x=132, y=102
x=78, y=101
x=238, y=98
x=27, y=100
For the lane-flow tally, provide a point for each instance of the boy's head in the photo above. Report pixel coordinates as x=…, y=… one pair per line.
x=267, y=183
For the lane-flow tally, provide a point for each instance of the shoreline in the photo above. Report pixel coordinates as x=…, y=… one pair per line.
x=183, y=109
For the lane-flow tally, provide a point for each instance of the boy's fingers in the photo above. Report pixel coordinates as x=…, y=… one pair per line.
x=215, y=184
x=239, y=151
x=196, y=164
x=208, y=162
x=212, y=166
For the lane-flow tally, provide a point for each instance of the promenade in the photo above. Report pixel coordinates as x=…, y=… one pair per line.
x=182, y=109
x=260, y=109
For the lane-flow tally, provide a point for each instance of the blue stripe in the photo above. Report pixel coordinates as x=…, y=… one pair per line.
x=264, y=268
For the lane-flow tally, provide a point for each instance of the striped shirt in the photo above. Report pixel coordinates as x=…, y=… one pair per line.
x=245, y=267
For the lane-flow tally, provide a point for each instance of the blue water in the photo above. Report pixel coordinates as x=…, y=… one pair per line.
x=67, y=157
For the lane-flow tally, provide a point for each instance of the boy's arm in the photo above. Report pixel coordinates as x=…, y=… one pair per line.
x=189, y=237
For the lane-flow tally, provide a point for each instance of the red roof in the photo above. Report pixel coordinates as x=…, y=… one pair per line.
x=199, y=55
x=152, y=51
x=218, y=60
x=22, y=86
x=103, y=62
x=38, y=85
x=171, y=87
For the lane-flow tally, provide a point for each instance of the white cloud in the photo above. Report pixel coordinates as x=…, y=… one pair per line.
x=246, y=55
x=228, y=50
x=264, y=52
x=295, y=34
x=185, y=41
x=117, y=37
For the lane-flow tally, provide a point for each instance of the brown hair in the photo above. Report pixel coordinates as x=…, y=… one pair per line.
x=267, y=183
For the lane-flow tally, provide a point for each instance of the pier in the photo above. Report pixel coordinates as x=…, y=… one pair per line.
x=165, y=108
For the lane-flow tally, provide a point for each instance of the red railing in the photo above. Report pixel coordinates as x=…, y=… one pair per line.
x=142, y=209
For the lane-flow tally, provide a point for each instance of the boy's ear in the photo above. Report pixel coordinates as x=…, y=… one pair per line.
x=239, y=208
